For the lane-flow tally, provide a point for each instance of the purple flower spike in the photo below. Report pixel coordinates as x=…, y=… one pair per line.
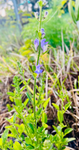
x=44, y=45
x=38, y=70
x=36, y=43
x=43, y=33
x=42, y=30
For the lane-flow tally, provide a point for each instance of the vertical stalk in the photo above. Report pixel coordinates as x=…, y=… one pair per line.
x=38, y=56
x=40, y=18
x=34, y=105
x=35, y=109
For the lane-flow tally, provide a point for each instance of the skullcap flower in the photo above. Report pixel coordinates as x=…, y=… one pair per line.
x=36, y=43
x=46, y=13
x=44, y=45
x=42, y=31
x=38, y=70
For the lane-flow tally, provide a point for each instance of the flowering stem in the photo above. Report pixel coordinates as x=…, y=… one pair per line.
x=40, y=18
x=38, y=56
x=35, y=109
x=35, y=77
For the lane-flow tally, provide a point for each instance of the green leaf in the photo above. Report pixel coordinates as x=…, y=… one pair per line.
x=17, y=109
x=28, y=95
x=63, y=2
x=39, y=35
x=40, y=3
x=44, y=118
x=0, y=141
x=22, y=88
x=14, y=117
x=18, y=102
x=33, y=68
x=9, y=107
x=11, y=98
x=44, y=125
x=55, y=128
x=71, y=139
x=55, y=138
x=28, y=42
x=24, y=48
x=28, y=140
x=21, y=128
x=17, y=146
x=56, y=106
x=46, y=103
x=76, y=7
x=71, y=11
x=62, y=125
x=67, y=131
x=32, y=59
x=26, y=52
x=78, y=14
x=67, y=105
x=4, y=136
x=31, y=126
x=39, y=111
x=60, y=116
x=10, y=93
x=8, y=127
x=26, y=101
x=14, y=131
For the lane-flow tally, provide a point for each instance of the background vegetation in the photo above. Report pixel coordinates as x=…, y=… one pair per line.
x=39, y=75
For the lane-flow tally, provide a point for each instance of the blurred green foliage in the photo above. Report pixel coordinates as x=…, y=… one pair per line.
x=10, y=39
x=53, y=25
x=57, y=22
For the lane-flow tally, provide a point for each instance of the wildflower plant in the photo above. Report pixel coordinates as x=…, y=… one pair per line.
x=30, y=133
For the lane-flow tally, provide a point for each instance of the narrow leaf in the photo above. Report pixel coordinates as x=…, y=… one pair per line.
x=4, y=136
x=67, y=131
x=67, y=105
x=60, y=116
x=71, y=11
x=46, y=103
x=56, y=106
x=44, y=118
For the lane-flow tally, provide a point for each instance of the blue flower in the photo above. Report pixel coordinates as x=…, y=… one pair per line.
x=46, y=13
x=38, y=70
x=42, y=31
x=44, y=45
x=36, y=43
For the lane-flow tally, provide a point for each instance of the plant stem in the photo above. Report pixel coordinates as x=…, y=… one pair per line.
x=35, y=109
x=38, y=56
x=40, y=18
